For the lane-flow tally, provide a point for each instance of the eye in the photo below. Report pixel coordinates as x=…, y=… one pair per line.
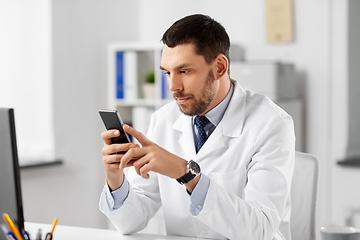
x=167, y=73
x=184, y=71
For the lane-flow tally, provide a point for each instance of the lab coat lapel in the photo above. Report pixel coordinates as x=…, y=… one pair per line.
x=186, y=140
x=214, y=142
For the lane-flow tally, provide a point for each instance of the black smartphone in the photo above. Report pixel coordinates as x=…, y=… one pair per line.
x=112, y=120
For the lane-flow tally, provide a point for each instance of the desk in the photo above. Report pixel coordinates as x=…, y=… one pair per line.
x=80, y=233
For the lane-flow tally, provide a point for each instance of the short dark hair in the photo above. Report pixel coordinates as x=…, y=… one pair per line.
x=209, y=36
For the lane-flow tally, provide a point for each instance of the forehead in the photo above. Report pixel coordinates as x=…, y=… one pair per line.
x=182, y=54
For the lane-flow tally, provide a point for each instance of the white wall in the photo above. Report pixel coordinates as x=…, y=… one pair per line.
x=81, y=30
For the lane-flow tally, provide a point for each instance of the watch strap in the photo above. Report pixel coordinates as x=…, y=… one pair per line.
x=186, y=178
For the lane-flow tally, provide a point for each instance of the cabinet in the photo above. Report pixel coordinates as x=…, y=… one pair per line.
x=129, y=64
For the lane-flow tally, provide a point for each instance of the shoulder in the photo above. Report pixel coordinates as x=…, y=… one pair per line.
x=260, y=104
x=254, y=103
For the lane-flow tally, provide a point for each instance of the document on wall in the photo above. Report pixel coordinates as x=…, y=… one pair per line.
x=279, y=20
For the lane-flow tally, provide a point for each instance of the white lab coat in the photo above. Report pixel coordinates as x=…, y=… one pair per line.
x=249, y=159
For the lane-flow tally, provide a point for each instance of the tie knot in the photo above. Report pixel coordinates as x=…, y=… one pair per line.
x=201, y=121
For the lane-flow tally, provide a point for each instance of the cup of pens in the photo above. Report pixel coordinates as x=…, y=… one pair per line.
x=12, y=232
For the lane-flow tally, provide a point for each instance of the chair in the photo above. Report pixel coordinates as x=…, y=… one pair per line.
x=303, y=197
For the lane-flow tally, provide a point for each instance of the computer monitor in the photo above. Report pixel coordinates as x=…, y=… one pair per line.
x=10, y=187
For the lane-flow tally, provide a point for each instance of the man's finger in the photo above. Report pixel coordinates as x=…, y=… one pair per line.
x=138, y=135
x=144, y=171
x=107, y=135
x=133, y=154
x=139, y=166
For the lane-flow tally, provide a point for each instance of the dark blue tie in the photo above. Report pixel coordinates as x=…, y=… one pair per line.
x=201, y=122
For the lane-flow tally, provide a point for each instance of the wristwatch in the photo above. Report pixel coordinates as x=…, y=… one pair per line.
x=193, y=171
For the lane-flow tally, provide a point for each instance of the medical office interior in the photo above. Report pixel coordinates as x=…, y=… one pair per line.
x=55, y=70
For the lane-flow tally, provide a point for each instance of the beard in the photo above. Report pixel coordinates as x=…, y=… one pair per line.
x=201, y=102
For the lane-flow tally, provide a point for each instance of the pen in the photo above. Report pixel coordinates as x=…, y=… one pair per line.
x=12, y=226
x=38, y=235
x=25, y=234
x=49, y=236
x=9, y=235
x=54, y=224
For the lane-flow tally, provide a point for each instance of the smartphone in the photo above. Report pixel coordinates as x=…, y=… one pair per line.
x=112, y=120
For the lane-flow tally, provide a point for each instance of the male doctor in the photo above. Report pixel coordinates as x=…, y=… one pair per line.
x=218, y=160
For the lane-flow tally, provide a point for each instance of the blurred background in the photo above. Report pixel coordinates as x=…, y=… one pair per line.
x=54, y=71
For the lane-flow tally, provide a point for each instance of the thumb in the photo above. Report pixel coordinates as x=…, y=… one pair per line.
x=144, y=141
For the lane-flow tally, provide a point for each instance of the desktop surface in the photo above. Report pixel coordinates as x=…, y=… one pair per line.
x=69, y=233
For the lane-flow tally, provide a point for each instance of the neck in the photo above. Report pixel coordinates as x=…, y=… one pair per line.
x=223, y=88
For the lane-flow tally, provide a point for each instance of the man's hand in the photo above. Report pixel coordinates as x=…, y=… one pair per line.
x=111, y=159
x=151, y=157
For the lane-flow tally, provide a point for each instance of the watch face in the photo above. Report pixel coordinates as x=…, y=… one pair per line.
x=194, y=167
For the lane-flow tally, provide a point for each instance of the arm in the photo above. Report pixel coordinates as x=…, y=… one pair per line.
x=143, y=202
x=137, y=206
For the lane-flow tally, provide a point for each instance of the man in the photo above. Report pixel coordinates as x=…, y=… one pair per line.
x=227, y=176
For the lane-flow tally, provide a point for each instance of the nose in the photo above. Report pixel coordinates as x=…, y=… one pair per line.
x=175, y=83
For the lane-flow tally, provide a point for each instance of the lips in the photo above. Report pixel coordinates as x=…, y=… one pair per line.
x=182, y=100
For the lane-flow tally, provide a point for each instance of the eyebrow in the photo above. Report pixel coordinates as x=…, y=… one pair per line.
x=185, y=65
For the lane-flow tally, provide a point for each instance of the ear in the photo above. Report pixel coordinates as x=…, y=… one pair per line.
x=221, y=66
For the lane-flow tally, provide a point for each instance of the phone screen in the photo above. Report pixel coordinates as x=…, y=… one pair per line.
x=112, y=120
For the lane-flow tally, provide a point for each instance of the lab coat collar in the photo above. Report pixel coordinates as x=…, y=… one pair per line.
x=233, y=119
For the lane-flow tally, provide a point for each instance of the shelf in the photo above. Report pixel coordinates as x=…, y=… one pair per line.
x=135, y=46
x=129, y=64
x=36, y=164
x=142, y=102
x=128, y=67
x=351, y=161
